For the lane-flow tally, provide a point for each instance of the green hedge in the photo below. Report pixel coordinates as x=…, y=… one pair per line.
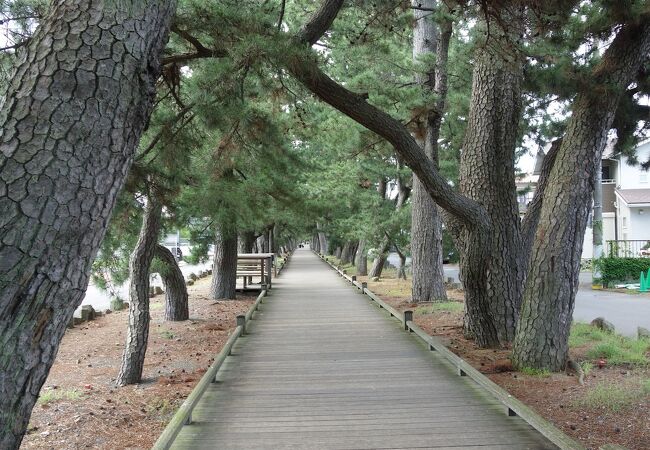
x=623, y=270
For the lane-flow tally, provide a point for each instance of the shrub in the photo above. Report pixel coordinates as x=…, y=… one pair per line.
x=117, y=304
x=622, y=269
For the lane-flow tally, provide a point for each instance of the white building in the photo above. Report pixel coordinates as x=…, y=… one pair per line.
x=626, y=203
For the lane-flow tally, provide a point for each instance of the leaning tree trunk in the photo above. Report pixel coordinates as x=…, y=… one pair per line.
x=224, y=272
x=554, y=269
x=490, y=264
x=380, y=260
x=345, y=253
x=68, y=139
x=426, y=226
x=362, y=259
x=139, y=270
x=401, y=270
x=322, y=240
x=176, y=298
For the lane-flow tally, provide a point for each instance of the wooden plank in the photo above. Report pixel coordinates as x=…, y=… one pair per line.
x=322, y=368
x=184, y=413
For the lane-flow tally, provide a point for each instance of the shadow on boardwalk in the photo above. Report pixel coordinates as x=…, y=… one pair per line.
x=322, y=368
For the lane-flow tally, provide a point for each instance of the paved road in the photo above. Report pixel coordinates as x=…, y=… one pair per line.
x=322, y=368
x=625, y=311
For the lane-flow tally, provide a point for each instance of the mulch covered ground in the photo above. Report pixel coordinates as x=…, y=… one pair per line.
x=80, y=406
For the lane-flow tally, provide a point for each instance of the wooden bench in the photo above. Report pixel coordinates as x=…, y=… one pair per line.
x=251, y=265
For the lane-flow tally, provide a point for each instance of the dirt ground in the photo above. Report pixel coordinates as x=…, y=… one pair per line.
x=80, y=406
x=557, y=397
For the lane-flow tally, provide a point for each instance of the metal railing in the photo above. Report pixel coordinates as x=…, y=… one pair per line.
x=628, y=249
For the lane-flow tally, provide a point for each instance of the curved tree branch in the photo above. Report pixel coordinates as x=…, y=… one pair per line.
x=306, y=70
x=319, y=22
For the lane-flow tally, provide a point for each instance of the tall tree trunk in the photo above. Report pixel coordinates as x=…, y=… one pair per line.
x=139, y=272
x=554, y=269
x=176, y=298
x=68, y=139
x=380, y=260
x=322, y=239
x=224, y=272
x=401, y=270
x=489, y=259
x=271, y=239
x=362, y=259
x=345, y=253
x=246, y=242
x=337, y=253
x=426, y=226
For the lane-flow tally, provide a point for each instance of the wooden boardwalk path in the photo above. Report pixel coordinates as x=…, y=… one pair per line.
x=322, y=368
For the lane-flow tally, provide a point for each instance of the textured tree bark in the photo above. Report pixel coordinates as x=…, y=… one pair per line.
x=246, y=242
x=337, y=253
x=80, y=97
x=490, y=261
x=176, y=298
x=531, y=219
x=139, y=269
x=224, y=272
x=401, y=270
x=552, y=282
x=426, y=226
x=345, y=253
x=322, y=239
x=380, y=260
x=362, y=259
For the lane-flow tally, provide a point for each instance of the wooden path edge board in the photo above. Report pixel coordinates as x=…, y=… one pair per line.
x=183, y=415
x=512, y=405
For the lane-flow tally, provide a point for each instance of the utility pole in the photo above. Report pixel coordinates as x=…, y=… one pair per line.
x=597, y=228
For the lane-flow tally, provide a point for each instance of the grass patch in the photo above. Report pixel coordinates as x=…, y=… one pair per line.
x=442, y=306
x=613, y=397
x=616, y=349
x=160, y=408
x=619, y=350
x=583, y=334
x=645, y=386
x=54, y=395
x=155, y=306
x=166, y=334
x=535, y=372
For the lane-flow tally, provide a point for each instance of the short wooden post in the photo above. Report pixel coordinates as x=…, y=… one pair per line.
x=241, y=322
x=511, y=413
x=408, y=317
x=461, y=372
x=432, y=348
x=188, y=419
x=364, y=286
x=354, y=278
